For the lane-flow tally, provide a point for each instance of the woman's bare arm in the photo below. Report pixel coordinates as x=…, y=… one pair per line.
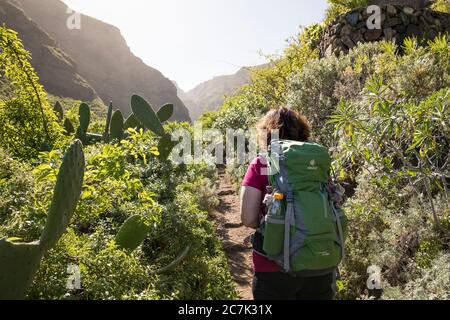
x=251, y=200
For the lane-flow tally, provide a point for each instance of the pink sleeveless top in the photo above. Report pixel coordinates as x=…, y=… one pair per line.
x=256, y=179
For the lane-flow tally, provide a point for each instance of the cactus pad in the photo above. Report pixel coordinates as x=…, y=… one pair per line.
x=65, y=196
x=92, y=138
x=175, y=262
x=68, y=126
x=146, y=115
x=116, y=132
x=132, y=233
x=58, y=109
x=165, y=113
x=132, y=123
x=19, y=263
x=85, y=117
x=108, y=120
x=165, y=147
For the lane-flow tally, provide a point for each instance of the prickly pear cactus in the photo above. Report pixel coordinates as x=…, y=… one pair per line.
x=132, y=233
x=108, y=122
x=116, y=132
x=19, y=263
x=65, y=196
x=146, y=115
x=58, y=109
x=132, y=123
x=85, y=117
x=165, y=113
x=68, y=126
x=84, y=113
x=175, y=262
x=165, y=147
x=92, y=138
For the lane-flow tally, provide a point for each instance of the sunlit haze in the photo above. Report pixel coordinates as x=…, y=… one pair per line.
x=193, y=41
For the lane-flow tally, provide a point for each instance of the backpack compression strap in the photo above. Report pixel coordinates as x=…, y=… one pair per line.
x=287, y=230
x=340, y=230
x=284, y=186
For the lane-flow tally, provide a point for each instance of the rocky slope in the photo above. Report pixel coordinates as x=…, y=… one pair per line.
x=57, y=70
x=104, y=59
x=210, y=95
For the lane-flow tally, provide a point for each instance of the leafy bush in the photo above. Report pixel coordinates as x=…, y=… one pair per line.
x=16, y=190
x=338, y=7
x=441, y=5
x=122, y=180
x=28, y=123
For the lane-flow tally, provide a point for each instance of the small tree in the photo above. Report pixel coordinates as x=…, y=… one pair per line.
x=27, y=121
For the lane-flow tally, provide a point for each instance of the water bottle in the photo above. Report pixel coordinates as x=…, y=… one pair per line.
x=274, y=230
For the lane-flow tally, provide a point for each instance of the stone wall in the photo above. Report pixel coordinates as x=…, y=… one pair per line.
x=397, y=23
x=411, y=3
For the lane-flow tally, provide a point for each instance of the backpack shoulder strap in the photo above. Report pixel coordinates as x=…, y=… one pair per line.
x=281, y=181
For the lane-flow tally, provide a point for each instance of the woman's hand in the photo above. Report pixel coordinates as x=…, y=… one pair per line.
x=251, y=201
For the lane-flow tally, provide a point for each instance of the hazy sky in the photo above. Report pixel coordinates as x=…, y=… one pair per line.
x=191, y=41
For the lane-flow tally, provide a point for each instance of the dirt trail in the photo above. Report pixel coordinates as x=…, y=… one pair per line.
x=234, y=236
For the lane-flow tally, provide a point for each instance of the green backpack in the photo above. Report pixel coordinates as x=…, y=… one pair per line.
x=307, y=233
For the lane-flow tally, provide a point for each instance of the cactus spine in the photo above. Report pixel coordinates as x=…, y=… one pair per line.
x=20, y=261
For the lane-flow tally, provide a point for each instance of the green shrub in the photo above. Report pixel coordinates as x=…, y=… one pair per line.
x=338, y=7
x=16, y=190
x=28, y=122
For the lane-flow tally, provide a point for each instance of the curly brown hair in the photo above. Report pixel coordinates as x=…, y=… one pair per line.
x=290, y=124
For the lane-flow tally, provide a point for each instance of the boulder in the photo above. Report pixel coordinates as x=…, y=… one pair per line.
x=391, y=10
x=392, y=22
x=373, y=35
x=413, y=30
x=348, y=42
x=408, y=11
x=353, y=18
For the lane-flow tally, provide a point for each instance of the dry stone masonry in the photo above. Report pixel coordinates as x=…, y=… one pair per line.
x=398, y=21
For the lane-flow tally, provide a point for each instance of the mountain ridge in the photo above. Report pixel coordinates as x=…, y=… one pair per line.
x=56, y=69
x=211, y=94
x=101, y=56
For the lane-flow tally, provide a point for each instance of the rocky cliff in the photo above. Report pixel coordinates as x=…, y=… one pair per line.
x=104, y=59
x=56, y=69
